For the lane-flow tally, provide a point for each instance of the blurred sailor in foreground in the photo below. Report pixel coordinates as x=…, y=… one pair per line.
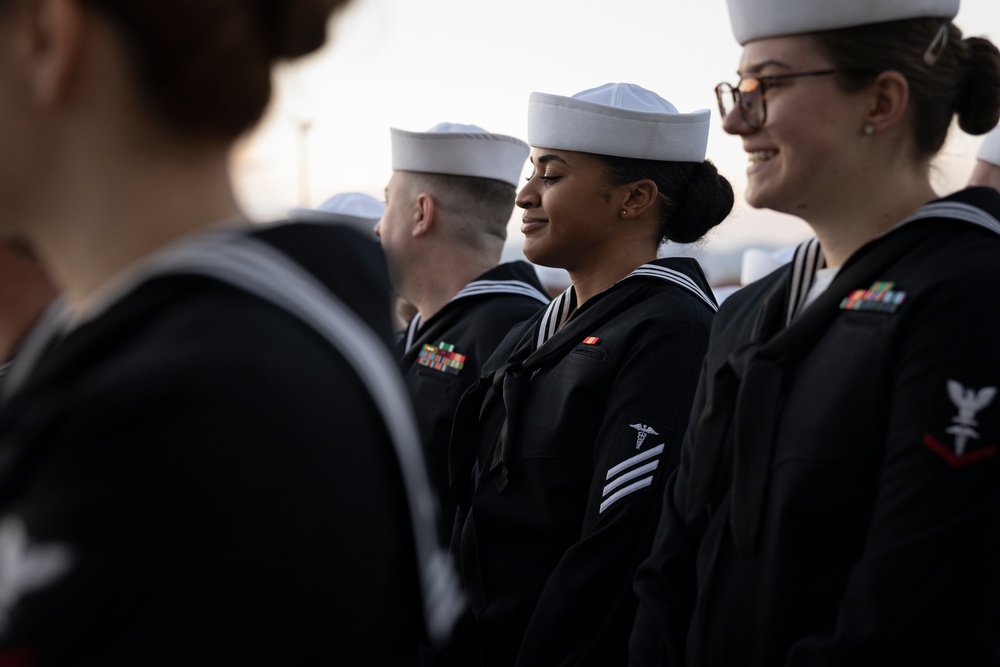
x=206, y=459
x=26, y=291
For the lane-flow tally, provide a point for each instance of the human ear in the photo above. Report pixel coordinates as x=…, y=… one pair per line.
x=424, y=212
x=53, y=36
x=638, y=197
x=888, y=96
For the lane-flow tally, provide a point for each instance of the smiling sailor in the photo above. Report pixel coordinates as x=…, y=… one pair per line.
x=559, y=454
x=838, y=501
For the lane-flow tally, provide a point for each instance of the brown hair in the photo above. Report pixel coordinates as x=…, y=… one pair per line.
x=694, y=196
x=964, y=80
x=205, y=65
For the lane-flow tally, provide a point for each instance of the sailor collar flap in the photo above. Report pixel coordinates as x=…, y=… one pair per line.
x=734, y=436
x=561, y=328
x=486, y=285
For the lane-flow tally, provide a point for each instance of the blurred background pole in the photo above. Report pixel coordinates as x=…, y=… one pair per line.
x=304, y=126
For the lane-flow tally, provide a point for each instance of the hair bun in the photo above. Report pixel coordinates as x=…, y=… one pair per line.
x=705, y=201
x=978, y=101
x=295, y=27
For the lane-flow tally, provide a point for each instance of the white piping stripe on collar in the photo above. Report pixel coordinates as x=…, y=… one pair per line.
x=412, y=329
x=808, y=259
x=956, y=210
x=478, y=288
x=677, y=277
x=560, y=309
x=556, y=315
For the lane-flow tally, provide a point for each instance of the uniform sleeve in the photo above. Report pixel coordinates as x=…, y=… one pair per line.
x=665, y=581
x=585, y=612
x=928, y=569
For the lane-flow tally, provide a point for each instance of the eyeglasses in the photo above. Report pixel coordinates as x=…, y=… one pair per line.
x=750, y=94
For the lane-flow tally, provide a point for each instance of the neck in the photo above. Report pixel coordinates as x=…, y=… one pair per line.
x=867, y=210
x=131, y=203
x=594, y=277
x=443, y=275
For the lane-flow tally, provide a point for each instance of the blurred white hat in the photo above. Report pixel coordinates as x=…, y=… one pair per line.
x=758, y=263
x=459, y=150
x=989, y=150
x=355, y=209
x=758, y=19
x=620, y=119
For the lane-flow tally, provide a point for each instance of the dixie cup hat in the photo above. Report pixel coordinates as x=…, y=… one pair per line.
x=355, y=209
x=459, y=150
x=760, y=19
x=618, y=119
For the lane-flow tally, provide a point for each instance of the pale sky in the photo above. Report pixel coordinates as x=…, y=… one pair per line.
x=412, y=64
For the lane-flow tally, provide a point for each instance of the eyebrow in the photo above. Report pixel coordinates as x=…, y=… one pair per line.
x=757, y=67
x=544, y=159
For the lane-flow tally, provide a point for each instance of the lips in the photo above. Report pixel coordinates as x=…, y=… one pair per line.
x=531, y=224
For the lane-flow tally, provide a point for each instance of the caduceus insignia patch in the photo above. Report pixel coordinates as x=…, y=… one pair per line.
x=634, y=464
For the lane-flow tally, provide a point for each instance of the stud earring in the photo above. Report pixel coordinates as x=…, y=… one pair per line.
x=624, y=214
x=869, y=130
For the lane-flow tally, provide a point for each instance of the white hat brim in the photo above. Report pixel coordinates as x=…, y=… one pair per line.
x=567, y=123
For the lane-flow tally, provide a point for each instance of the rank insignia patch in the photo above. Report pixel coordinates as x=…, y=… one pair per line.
x=963, y=447
x=442, y=357
x=591, y=340
x=879, y=298
x=635, y=460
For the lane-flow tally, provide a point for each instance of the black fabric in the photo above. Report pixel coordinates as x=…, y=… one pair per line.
x=474, y=325
x=816, y=517
x=225, y=487
x=548, y=569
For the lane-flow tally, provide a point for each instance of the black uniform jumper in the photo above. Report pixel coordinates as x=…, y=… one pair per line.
x=558, y=456
x=195, y=476
x=838, y=501
x=444, y=356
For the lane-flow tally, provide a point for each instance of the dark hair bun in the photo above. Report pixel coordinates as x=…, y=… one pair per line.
x=205, y=66
x=295, y=27
x=978, y=101
x=704, y=202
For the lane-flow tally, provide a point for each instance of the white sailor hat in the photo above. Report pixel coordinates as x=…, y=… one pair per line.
x=459, y=150
x=356, y=209
x=758, y=19
x=989, y=150
x=620, y=119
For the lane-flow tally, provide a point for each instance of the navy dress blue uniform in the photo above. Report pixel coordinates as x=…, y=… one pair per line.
x=558, y=458
x=444, y=356
x=838, y=500
x=196, y=476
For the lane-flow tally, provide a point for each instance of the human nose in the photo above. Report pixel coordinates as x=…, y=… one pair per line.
x=527, y=197
x=734, y=122
x=376, y=228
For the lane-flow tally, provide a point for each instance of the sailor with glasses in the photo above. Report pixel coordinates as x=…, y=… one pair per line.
x=838, y=498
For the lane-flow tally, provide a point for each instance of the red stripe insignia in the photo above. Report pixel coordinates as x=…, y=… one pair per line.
x=591, y=340
x=442, y=357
